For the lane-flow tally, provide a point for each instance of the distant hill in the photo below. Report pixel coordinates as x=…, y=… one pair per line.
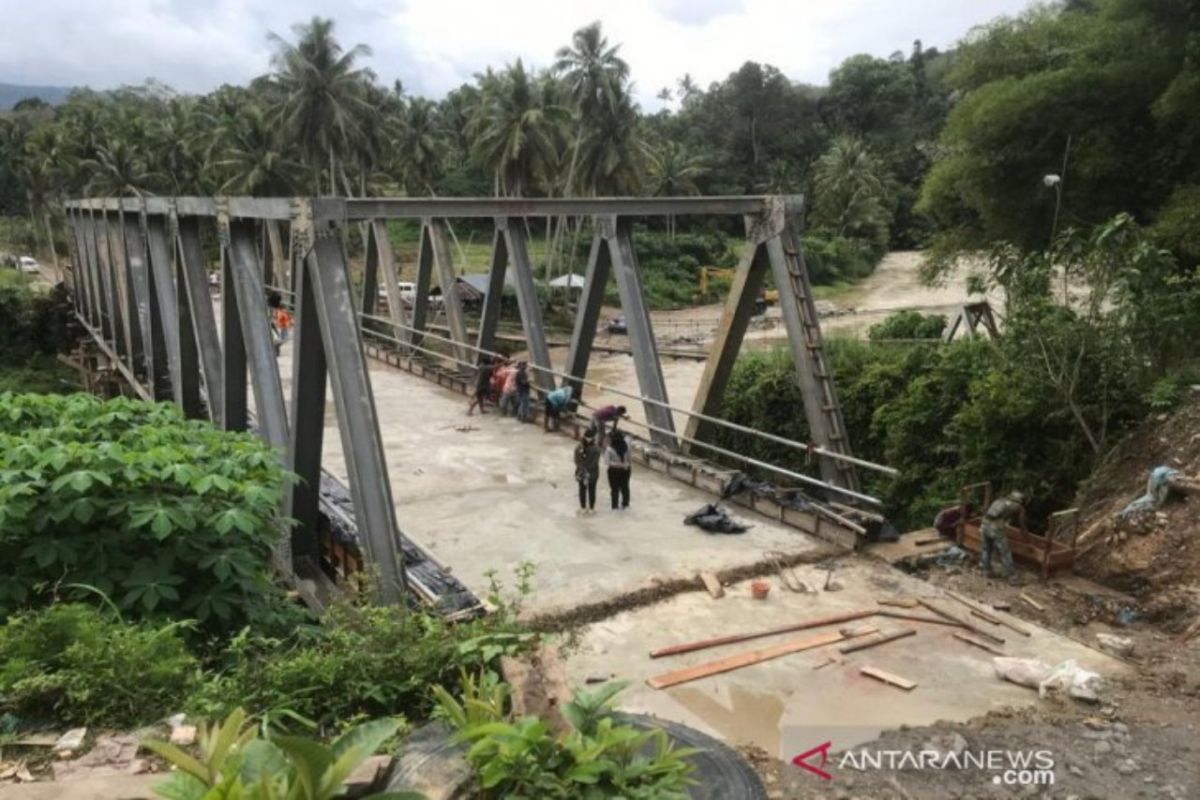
x=12, y=93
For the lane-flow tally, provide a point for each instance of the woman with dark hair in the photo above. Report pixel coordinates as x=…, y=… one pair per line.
x=587, y=472
x=620, y=466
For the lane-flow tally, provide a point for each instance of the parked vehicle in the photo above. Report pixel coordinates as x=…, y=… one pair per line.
x=616, y=325
x=28, y=264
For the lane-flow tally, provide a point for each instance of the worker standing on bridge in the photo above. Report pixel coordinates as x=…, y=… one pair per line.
x=587, y=472
x=280, y=318
x=483, y=385
x=522, y=378
x=508, y=391
x=557, y=402
x=620, y=467
x=994, y=533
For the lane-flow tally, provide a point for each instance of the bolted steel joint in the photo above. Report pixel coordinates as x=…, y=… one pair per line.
x=303, y=237
x=222, y=209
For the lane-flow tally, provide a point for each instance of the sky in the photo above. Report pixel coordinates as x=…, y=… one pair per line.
x=435, y=45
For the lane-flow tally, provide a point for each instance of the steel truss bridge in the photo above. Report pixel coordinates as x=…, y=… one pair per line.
x=140, y=286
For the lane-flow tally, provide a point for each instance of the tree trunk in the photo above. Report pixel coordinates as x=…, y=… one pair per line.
x=50, y=242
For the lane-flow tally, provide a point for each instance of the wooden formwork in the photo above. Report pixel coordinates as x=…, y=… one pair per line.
x=1049, y=552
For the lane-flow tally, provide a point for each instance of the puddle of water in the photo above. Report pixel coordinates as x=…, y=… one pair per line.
x=750, y=718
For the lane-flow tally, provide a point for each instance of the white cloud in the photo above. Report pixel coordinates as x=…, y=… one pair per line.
x=435, y=45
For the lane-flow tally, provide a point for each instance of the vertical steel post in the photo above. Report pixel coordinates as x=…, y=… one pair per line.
x=358, y=421
x=439, y=241
x=531, y=308
x=270, y=409
x=309, y=371
x=112, y=280
x=130, y=325
x=587, y=315
x=195, y=292
x=391, y=274
x=370, y=284
x=233, y=367
x=493, y=302
x=641, y=333
x=420, y=313
x=735, y=318
x=149, y=359
x=162, y=273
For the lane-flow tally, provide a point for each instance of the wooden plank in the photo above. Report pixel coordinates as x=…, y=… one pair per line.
x=979, y=612
x=889, y=637
x=917, y=618
x=712, y=584
x=941, y=612
x=898, y=602
x=962, y=637
x=887, y=677
x=703, y=644
x=746, y=659
x=1032, y=602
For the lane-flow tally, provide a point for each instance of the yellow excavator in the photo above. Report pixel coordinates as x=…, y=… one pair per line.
x=767, y=297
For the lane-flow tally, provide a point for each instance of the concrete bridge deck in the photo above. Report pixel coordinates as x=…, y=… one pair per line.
x=498, y=492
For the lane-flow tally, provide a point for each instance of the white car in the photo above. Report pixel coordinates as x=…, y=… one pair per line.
x=28, y=264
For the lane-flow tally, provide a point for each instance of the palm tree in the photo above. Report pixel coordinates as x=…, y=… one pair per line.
x=418, y=146
x=687, y=88
x=850, y=190
x=514, y=133
x=322, y=92
x=118, y=169
x=253, y=156
x=595, y=77
x=673, y=172
x=612, y=155
x=49, y=165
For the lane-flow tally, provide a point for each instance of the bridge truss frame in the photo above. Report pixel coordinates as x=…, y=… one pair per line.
x=140, y=284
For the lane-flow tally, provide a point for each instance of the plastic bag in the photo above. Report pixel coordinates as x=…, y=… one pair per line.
x=1068, y=676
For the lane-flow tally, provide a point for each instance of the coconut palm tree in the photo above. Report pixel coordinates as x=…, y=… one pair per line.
x=321, y=90
x=418, y=146
x=118, y=169
x=514, y=134
x=672, y=173
x=850, y=190
x=595, y=78
x=252, y=158
x=613, y=155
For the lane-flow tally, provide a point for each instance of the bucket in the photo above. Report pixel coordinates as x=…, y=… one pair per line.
x=759, y=590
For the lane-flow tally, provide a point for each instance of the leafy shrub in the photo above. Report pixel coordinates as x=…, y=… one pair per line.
x=831, y=258
x=598, y=758
x=909, y=325
x=36, y=321
x=165, y=515
x=235, y=762
x=366, y=662
x=76, y=665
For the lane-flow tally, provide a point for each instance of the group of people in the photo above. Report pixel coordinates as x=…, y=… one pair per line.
x=506, y=384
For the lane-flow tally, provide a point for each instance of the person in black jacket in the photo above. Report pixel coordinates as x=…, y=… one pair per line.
x=587, y=472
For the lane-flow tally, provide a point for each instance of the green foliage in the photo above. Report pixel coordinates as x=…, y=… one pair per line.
x=671, y=264
x=832, y=259
x=364, y=662
x=1072, y=85
x=73, y=664
x=597, y=758
x=909, y=325
x=850, y=189
x=168, y=516
x=236, y=764
x=37, y=320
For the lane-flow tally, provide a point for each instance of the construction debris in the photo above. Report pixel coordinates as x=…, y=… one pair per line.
x=889, y=678
x=941, y=612
x=703, y=644
x=962, y=637
x=714, y=519
x=112, y=755
x=712, y=584
x=916, y=618
x=538, y=682
x=898, y=602
x=1079, y=683
x=1032, y=602
x=740, y=660
x=1117, y=645
x=883, y=639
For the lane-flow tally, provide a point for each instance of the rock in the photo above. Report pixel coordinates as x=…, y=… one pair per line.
x=1074, y=770
x=1127, y=766
x=1101, y=747
x=71, y=741
x=183, y=735
x=1117, y=645
x=1120, y=727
